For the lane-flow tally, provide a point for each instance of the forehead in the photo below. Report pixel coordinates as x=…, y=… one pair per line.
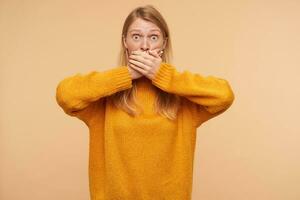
x=143, y=26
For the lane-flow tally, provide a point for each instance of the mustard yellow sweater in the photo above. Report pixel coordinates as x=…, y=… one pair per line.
x=147, y=157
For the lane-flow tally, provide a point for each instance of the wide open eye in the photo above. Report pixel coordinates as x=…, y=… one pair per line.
x=154, y=37
x=136, y=36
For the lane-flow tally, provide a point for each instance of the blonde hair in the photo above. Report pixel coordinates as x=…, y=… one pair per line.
x=166, y=104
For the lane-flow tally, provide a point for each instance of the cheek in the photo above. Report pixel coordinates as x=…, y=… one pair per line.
x=157, y=46
x=132, y=48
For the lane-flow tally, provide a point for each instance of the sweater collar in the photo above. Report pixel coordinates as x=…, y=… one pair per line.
x=145, y=84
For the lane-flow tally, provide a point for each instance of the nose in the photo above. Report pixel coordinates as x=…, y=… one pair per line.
x=145, y=45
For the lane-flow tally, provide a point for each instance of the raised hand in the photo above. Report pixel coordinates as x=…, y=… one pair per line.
x=134, y=73
x=144, y=63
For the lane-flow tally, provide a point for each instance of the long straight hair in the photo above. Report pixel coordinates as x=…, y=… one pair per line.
x=166, y=104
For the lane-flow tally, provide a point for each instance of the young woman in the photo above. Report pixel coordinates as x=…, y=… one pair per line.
x=143, y=115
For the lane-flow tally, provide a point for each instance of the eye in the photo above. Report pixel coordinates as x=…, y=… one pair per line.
x=135, y=36
x=154, y=37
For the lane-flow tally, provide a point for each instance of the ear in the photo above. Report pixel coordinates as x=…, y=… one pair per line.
x=124, y=41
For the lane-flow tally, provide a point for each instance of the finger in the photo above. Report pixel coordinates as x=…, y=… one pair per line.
x=141, y=59
x=143, y=54
x=154, y=53
x=137, y=68
x=139, y=64
x=136, y=52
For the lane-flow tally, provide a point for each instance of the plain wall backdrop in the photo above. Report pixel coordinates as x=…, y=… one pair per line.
x=250, y=152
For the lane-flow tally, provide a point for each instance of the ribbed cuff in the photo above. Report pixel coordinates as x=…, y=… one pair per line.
x=121, y=78
x=162, y=78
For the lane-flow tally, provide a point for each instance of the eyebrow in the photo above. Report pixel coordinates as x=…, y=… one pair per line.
x=139, y=30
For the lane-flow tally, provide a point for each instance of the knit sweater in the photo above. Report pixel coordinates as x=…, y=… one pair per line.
x=146, y=157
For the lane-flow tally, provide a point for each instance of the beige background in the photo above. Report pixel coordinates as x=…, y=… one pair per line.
x=251, y=152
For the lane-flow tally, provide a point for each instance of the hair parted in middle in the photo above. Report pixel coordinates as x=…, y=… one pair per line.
x=166, y=104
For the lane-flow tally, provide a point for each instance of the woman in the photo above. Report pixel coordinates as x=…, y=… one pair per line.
x=143, y=115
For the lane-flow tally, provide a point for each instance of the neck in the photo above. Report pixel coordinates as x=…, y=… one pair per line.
x=144, y=82
x=143, y=79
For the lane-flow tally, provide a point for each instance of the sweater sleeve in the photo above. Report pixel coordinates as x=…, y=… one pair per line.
x=75, y=93
x=212, y=95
